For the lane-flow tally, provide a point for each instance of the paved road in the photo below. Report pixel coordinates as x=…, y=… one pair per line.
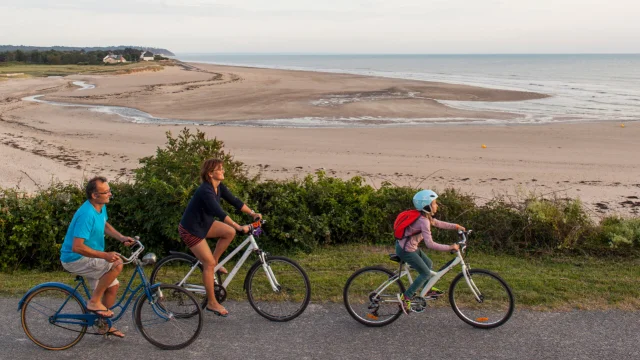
x=326, y=331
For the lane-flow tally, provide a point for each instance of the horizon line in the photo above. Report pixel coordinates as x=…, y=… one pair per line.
x=396, y=54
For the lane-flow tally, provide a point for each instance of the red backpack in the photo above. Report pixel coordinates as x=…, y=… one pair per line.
x=403, y=220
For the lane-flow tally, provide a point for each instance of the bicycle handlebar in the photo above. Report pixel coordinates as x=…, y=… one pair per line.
x=463, y=235
x=255, y=226
x=134, y=254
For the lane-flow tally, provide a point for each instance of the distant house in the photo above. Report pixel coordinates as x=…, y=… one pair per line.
x=146, y=56
x=113, y=59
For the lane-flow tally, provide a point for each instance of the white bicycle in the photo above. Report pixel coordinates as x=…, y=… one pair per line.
x=280, y=292
x=479, y=297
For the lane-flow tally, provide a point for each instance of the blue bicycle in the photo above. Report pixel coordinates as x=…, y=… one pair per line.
x=55, y=316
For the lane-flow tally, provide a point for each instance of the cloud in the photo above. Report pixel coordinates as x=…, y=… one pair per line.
x=204, y=8
x=327, y=26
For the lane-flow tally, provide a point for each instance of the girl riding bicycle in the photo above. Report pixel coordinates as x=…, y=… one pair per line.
x=407, y=248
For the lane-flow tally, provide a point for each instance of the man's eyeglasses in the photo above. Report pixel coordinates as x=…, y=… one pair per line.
x=104, y=192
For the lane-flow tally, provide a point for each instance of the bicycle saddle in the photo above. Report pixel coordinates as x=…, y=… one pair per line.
x=394, y=257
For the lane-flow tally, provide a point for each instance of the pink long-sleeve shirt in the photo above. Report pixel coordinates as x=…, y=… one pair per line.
x=424, y=226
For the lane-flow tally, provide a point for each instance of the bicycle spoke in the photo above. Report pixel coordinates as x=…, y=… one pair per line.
x=368, y=306
x=496, y=300
x=292, y=293
x=38, y=314
x=169, y=331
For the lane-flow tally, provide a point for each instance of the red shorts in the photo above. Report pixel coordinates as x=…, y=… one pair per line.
x=188, y=238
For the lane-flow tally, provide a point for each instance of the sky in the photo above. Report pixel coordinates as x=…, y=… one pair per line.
x=329, y=26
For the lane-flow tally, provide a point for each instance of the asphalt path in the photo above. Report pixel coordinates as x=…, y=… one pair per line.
x=326, y=331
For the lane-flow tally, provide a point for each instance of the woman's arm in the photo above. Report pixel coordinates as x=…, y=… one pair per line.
x=245, y=209
x=226, y=194
x=229, y=221
x=228, y=197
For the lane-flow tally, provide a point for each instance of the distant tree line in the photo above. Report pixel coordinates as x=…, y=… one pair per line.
x=55, y=57
x=84, y=48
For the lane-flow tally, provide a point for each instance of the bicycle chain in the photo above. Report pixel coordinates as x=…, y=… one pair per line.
x=86, y=332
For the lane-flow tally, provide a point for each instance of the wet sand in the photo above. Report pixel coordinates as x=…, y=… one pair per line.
x=40, y=142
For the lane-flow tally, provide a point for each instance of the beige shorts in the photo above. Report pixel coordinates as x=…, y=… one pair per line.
x=92, y=269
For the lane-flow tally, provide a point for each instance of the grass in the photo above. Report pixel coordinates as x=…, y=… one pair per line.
x=35, y=70
x=564, y=283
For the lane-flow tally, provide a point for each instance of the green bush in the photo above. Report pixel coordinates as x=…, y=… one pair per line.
x=301, y=213
x=32, y=228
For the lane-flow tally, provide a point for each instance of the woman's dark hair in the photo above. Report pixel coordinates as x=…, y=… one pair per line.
x=208, y=167
x=92, y=185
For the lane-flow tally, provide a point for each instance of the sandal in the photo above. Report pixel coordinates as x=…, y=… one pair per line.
x=216, y=312
x=115, y=332
x=103, y=313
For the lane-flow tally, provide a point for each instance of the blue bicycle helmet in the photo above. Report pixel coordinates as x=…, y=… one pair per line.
x=422, y=200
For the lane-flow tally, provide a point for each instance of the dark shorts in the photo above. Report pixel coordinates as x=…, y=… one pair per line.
x=188, y=238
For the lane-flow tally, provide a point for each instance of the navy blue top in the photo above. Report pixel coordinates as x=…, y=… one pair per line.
x=204, y=206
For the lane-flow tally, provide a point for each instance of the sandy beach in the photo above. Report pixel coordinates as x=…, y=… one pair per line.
x=40, y=142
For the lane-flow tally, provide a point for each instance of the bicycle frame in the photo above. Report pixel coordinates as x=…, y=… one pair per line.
x=435, y=276
x=252, y=246
x=129, y=294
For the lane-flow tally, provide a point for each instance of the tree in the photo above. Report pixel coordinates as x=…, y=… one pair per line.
x=20, y=56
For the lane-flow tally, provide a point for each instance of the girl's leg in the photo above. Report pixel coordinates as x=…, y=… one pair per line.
x=415, y=260
x=426, y=260
x=225, y=235
x=202, y=251
x=429, y=264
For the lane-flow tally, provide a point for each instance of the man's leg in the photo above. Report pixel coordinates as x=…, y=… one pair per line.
x=95, y=303
x=110, y=294
x=108, y=300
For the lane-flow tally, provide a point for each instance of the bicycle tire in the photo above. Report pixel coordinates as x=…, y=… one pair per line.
x=497, y=303
x=359, y=299
x=173, y=268
x=162, y=305
x=44, y=299
x=289, y=276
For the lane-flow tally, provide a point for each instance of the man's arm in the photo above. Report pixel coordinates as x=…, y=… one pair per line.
x=79, y=247
x=111, y=231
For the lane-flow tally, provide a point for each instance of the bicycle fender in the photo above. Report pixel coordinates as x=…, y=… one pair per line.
x=143, y=294
x=183, y=255
x=52, y=284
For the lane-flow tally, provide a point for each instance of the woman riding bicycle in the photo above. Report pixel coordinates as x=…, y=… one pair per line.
x=198, y=223
x=407, y=248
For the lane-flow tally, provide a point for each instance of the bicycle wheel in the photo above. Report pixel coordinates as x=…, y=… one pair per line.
x=158, y=317
x=173, y=268
x=366, y=300
x=39, y=318
x=494, y=306
x=290, y=298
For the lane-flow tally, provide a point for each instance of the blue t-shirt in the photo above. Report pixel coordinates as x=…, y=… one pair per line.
x=88, y=224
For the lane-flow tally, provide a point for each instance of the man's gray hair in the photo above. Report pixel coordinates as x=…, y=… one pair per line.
x=92, y=185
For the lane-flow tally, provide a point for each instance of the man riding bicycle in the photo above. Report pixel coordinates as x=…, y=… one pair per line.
x=83, y=252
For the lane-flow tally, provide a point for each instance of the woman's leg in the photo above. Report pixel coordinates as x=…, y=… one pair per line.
x=415, y=261
x=225, y=235
x=202, y=251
